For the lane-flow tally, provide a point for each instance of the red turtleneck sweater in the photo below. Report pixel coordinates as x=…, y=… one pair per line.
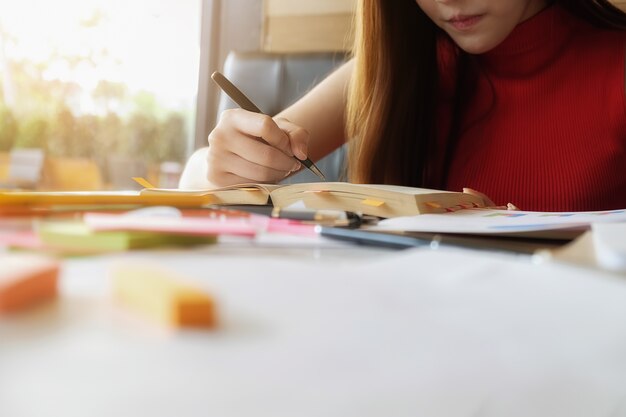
x=546, y=127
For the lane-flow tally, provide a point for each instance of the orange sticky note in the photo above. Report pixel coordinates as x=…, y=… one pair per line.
x=163, y=296
x=432, y=204
x=26, y=280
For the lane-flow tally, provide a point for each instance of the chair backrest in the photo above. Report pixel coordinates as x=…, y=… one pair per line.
x=275, y=81
x=120, y=171
x=25, y=167
x=72, y=174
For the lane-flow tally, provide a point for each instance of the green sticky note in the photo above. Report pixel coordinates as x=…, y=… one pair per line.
x=76, y=236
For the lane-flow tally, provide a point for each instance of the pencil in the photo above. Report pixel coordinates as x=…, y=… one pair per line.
x=245, y=103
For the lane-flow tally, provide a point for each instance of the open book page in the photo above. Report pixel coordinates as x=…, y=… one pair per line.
x=374, y=199
x=488, y=221
x=255, y=194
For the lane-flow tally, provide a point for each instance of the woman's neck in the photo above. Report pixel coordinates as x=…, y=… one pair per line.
x=534, y=7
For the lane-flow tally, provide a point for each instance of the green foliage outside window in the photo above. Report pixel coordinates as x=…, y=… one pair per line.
x=69, y=119
x=42, y=118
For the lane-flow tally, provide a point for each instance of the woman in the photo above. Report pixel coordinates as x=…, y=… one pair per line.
x=524, y=100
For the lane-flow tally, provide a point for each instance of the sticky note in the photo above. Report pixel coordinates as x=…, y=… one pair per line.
x=163, y=296
x=26, y=280
x=143, y=182
x=432, y=204
x=78, y=237
x=372, y=203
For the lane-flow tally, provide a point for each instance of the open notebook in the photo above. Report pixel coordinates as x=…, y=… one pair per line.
x=376, y=200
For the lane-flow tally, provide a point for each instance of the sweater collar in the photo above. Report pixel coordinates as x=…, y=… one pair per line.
x=532, y=44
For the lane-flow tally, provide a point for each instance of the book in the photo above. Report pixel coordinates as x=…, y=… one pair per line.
x=371, y=199
x=252, y=194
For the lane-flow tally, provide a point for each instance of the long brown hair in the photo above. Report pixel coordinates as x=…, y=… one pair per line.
x=392, y=105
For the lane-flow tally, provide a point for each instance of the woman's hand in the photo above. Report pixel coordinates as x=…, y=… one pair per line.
x=251, y=147
x=488, y=203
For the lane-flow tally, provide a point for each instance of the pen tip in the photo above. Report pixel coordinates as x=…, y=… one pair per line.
x=319, y=173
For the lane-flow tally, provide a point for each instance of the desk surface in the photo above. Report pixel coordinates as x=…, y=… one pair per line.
x=328, y=331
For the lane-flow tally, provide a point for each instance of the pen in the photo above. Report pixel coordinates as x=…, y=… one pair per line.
x=244, y=102
x=362, y=237
x=434, y=241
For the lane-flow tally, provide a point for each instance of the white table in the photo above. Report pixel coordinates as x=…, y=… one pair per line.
x=328, y=331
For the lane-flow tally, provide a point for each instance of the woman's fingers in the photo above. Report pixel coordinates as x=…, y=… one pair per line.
x=223, y=168
x=254, y=147
x=232, y=179
x=259, y=126
x=298, y=137
x=253, y=150
x=487, y=202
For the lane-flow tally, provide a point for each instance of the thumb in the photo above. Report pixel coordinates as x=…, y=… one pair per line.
x=486, y=200
x=298, y=138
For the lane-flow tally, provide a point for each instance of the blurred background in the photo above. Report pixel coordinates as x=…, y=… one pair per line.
x=98, y=84
x=94, y=92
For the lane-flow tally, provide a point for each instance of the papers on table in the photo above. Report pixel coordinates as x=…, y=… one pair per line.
x=488, y=221
x=610, y=244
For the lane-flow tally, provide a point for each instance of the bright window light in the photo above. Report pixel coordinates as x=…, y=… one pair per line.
x=100, y=79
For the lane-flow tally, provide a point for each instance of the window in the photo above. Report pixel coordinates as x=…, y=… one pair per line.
x=106, y=81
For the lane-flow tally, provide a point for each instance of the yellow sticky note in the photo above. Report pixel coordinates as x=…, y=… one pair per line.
x=372, y=203
x=163, y=296
x=143, y=182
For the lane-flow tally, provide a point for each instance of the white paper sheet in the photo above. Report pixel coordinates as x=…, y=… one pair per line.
x=488, y=221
